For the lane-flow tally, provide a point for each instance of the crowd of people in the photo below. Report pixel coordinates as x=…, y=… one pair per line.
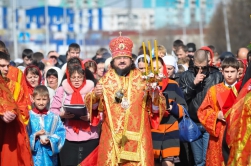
x=128, y=121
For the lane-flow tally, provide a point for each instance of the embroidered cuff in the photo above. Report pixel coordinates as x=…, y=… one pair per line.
x=95, y=99
x=155, y=109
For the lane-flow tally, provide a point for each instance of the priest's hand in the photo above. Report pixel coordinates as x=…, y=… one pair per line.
x=66, y=115
x=8, y=116
x=98, y=90
x=221, y=116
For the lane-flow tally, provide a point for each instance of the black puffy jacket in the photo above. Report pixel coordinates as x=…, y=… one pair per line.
x=195, y=94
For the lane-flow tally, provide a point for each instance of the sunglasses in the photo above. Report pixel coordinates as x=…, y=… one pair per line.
x=203, y=68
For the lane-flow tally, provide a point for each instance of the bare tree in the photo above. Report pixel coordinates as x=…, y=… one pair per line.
x=239, y=22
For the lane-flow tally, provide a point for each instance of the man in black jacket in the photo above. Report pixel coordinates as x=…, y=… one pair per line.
x=195, y=83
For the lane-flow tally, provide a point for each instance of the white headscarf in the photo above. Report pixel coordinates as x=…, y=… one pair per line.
x=141, y=56
x=170, y=60
x=60, y=75
x=107, y=63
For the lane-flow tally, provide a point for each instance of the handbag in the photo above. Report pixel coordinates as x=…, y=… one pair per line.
x=189, y=131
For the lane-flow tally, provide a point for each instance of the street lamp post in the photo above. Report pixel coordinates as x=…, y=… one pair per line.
x=47, y=37
x=226, y=26
x=14, y=29
x=65, y=24
x=201, y=27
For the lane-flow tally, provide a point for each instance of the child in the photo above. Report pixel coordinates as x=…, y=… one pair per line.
x=46, y=131
x=214, y=110
x=73, y=51
x=161, y=51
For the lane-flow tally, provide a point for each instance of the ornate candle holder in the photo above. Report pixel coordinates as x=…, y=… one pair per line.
x=153, y=79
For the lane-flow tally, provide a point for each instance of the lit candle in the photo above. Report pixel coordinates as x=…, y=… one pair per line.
x=144, y=49
x=157, y=56
x=150, y=52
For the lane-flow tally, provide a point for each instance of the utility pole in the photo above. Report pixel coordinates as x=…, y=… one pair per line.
x=201, y=27
x=129, y=14
x=14, y=28
x=182, y=18
x=226, y=25
x=47, y=35
x=65, y=24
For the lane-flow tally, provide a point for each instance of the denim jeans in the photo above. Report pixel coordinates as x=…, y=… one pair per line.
x=199, y=147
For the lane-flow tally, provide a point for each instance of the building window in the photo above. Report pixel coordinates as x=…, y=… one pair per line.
x=61, y=19
x=68, y=20
x=41, y=19
x=54, y=19
x=27, y=19
x=34, y=19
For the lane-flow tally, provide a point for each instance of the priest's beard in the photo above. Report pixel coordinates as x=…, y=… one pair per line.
x=122, y=72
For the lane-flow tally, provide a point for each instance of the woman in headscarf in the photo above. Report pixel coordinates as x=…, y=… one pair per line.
x=81, y=137
x=77, y=61
x=166, y=143
x=53, y=79
x=172, y=67
x=32, y=77
x=140, y=62
x=90, y=65
x=242, y=68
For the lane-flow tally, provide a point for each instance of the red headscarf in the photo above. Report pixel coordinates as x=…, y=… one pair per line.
x=90, y=60
x=244, y=61
x=164, y=81
x=77, y=99
x=211, y=53
x=163, y=85
x=30, y=88
x=76, y=96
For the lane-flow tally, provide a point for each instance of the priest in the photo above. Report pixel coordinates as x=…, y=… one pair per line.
x=126, y=105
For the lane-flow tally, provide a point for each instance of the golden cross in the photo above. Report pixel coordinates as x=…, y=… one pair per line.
x=120, y=33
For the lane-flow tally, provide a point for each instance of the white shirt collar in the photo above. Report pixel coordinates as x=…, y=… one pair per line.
x=227, y=85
